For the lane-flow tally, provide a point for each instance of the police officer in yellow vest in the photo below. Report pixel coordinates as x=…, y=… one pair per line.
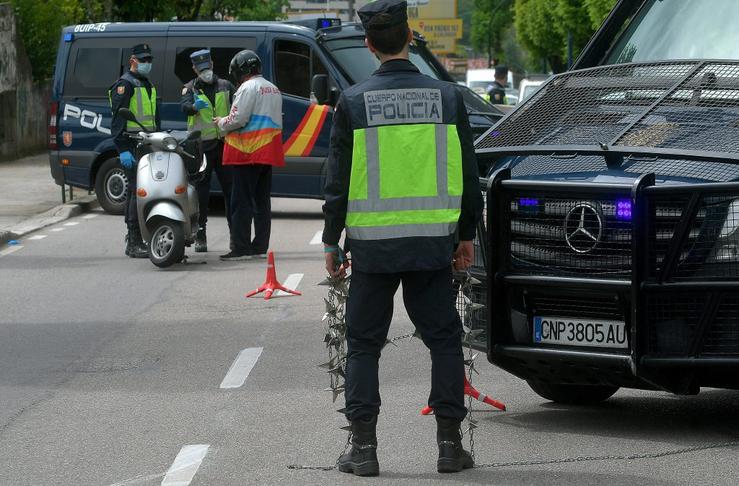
x=402, y=182
x=133, y=91
x=203, y=98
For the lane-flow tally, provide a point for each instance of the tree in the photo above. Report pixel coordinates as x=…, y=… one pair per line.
x=537, y=32
x=544, y=27
x=598, y=10
x=39, y=24
x=490, y=20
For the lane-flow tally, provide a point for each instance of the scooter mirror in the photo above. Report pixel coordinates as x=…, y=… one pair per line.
x=204, y=164
x=194, y=135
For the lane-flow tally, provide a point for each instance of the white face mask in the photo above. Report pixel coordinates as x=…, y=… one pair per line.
x=206, y=76
x=144, y=68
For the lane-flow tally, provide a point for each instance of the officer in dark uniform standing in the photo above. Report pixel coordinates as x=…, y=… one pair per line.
x=133, y=91
x=402, y=181
x=496, y=91
x=203, y=98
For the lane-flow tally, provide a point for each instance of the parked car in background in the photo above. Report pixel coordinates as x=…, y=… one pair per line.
x=528, y=87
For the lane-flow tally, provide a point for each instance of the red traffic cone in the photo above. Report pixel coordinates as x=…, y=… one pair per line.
x=471, y=391
x=271, y=284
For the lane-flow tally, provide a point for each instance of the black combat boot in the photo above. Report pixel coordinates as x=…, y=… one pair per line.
x=135, y=247
x=362, y=458
x=452, y=456
x=201, y=242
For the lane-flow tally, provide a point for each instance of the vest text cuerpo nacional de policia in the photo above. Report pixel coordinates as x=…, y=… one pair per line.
x=406, y=175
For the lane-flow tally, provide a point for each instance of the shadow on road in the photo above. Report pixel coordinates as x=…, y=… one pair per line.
x=658, y=417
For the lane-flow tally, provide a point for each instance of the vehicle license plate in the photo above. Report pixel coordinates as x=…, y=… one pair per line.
x=580, y=332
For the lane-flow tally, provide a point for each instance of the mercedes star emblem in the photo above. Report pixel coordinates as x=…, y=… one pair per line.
x=583, y=228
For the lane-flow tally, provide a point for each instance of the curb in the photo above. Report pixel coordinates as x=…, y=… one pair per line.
x=48, y=218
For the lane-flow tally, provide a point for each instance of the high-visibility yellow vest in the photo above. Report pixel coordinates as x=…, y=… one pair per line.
x=203, y=119
x=406, y=180
x=143, y=105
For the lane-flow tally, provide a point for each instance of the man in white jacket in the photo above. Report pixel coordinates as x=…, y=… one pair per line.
x=253, y=145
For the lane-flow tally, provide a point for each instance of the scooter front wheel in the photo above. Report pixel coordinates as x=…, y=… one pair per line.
x=167, y=243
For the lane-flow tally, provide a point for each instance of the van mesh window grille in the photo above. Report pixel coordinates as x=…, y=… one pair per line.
x=536, y=165
x=675, y=106
x=587, y=107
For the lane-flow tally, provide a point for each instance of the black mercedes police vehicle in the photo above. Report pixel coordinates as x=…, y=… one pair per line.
x=310, y=61
x=611, y=255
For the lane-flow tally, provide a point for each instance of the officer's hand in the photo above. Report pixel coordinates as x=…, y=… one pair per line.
x=127, y=159
x=464, y=255
x=200, y=104
x=336, y=262
x=217, y=120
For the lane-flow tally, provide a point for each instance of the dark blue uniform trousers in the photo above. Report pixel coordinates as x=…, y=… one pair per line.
x=429, y=300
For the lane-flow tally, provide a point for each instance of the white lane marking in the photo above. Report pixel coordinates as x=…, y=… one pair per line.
x=10, y=249
x=91, y=215
x=72, y=223
x=56, y=230
x=291, y=282
x=317, y=238
x=185, y=465
x=241, y=368
x=37, y=237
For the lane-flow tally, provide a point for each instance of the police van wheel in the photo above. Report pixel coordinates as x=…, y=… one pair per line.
x=573, y=394
x=111, y=186
x=167, y=243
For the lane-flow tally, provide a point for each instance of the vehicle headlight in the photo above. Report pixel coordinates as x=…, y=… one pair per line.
x=170, y=144
x=726, y=249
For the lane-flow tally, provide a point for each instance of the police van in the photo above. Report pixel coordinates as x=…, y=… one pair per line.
x=310, y=61
x=612, y=250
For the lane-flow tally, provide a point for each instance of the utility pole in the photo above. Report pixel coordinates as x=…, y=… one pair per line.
x=351, y=10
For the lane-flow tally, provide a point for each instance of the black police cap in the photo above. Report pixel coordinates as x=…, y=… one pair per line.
x=501, y=71
x=141, y=51
x=383, y=14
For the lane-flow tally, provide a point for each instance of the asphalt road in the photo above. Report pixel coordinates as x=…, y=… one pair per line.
x=111, y=372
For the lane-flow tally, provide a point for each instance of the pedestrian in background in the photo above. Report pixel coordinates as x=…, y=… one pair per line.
x=133, y=91
x=496, y=91
x=406, y=191
x=253, y=145
x=204, y=98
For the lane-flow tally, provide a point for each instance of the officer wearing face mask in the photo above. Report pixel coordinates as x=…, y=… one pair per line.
x=133, y=91
x=203, y=98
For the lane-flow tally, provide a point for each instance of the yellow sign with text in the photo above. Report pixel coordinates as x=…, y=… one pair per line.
x=437, y=28
x=432, y=9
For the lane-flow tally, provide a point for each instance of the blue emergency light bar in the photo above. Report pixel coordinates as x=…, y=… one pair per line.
x=68, y=37
x=316, y=24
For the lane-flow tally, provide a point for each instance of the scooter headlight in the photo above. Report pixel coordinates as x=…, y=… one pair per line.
x=170, y=144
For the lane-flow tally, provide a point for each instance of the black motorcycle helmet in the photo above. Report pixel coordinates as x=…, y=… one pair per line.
x=244, y=63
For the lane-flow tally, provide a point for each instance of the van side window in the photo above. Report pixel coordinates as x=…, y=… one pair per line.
x=295, y=65
x=178, y=67
x=94, y=70
x=221, y=57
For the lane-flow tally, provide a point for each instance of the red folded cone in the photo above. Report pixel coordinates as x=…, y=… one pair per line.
x=472, y=392
x=271, y=284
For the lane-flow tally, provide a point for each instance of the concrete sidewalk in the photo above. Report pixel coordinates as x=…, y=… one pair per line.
x=30, y=199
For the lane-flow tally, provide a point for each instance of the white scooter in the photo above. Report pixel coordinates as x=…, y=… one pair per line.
x=166, y=198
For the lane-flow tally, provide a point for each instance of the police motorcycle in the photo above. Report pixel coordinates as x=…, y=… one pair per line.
x=166, y=198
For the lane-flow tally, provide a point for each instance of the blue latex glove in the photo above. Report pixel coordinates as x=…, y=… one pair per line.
x=200, y=104
x=127, y=160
